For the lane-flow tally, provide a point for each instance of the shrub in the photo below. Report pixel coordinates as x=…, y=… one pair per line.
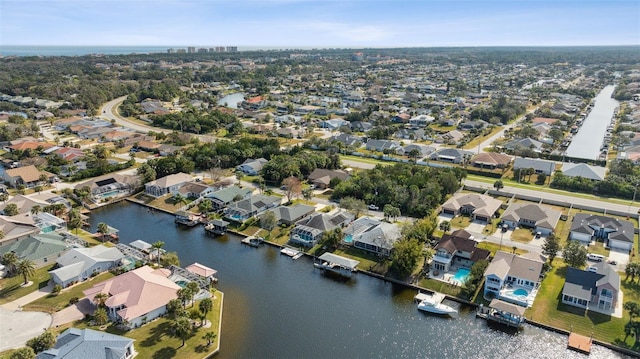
x=56, y=289
x=74, y=300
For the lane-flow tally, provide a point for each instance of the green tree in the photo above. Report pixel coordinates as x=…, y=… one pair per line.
x=445, y=226
x=353, y=205
x=75, y=220
x=268, y=221
x=574, y=254
x=23, y=353
x=205, y=306
x=307, y=194
x=100, y=316
x=26, y=268
x=182, y=327
x=633, y=308
x=551, y=247
x=10, y=260
x=146, y=173
x=11, y=209
x=103, y=229
x=157, y=245
x=405, y=256
x=179, y=199
x=174, y=308
x=205, y=206
x=44, y=341
x=36, y=209
x=184, y=295
x=498, y=185
x=632, y=270
x=194, y=288
x=100, y=298
x=4, y=197
x=332, y=238
x=169, y=259
x=209, y=337
x=391, y=211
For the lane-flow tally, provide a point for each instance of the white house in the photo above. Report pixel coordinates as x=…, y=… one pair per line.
x=513, y=278
x=372, y=235
x=79, y=264
x=167, y=184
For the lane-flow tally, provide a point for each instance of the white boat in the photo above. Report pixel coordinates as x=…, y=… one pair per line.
x=433, y=304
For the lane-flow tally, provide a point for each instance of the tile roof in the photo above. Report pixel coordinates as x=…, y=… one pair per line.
x=27, y=173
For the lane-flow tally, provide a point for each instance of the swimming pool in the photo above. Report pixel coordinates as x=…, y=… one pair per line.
x=520, y=292
x=182, y=283
x=461, y=275
x=348, y=238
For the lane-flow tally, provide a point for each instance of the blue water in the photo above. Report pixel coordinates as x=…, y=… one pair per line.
x=461, y=275
x=348, y=238
x=520, y=291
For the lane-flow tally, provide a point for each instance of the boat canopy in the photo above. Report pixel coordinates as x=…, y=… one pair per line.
x=507, y=307
x=339, y=260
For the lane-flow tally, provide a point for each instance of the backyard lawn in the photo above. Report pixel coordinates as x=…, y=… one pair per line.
x=11, y=288
x=522, y=235
x=548, y=309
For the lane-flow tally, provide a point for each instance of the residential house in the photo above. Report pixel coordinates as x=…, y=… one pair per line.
x=321, y=177
x=382, y=145
x=360, y=126
x=111, y=185
x=592, y=289
x=252, y=167
x=423, y=150
x=289, y=215
x=15, y=230
x=136, y=297
x=88, y=343
x=244, y=209
x=514, y=278
x=78, y=264
x=70, y=154
x=167, y=184
x=522, y=144
x=43, y=249
x=539, y=217
x=457, y=250
x=372, y=235
x=334, y=123
x=618, y=234
x=453, y=155
x=539, y=166
x=410, y=134
x=594, y=173
x=221, y=198
x=548, y=121
x=452, y=137
x=477, y=206
x=491, y=160
x=308, y=231
x=29, y=176
x=421, y=120
x=196, y=190
x=347, y=140
x=24, y=203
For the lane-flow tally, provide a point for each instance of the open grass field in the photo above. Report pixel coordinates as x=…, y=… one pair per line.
x=11, y=288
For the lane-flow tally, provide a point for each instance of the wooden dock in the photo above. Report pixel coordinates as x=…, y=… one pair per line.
x=579, y=343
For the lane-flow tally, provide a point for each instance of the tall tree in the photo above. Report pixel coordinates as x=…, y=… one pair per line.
x=292, y=187
x=194, y=288
x=10, y=259
x=353, y=205
x=551, y=247
x=498, y=185
x=574, y=254
x=184, y=295
x=42, y=342
x=209, y=337
x=100, y=299
x=405, y=256
x=26, y=268
x=205, y=306
x=157, y=245
x=103, y=229
x=182, y=327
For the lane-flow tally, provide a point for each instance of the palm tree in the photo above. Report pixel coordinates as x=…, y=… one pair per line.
x=209, y=337
x=184, y=295
x=36, y=209
x=178, y=198
x=182, y=327
x=206, y=305
x=103, y=229
x=27, y=268
x=10, y=259
x=100, y=316
x=194, y=288
x=157, y=245
x=100, y=299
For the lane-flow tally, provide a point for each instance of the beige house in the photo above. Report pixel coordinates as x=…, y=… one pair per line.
x=478, y=206
x=28, y=176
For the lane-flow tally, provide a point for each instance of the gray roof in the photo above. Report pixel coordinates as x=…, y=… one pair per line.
x=508, y=264
x=292, y=213
x=339, y=260
x=451, y=152
x=507, y=307
x=227, y=195
x=254, y=203
x=584, y=170
x=37, y=246
x=582, y=284
x=482, y=205
x=78, y=260
x=524, y=143
x=86, y=343
x=543, y=216
x=373, y=231
x=538, y=165
x=620, y=230
x=320, y=222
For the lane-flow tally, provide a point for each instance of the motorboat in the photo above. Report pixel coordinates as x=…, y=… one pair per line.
x=433, y=304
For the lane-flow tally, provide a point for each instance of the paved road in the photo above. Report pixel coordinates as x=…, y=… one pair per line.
x=489, y=141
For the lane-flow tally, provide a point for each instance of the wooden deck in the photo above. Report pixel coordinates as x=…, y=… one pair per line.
x=579, y=343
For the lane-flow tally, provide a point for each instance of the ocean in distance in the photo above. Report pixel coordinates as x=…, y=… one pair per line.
x=32, y=50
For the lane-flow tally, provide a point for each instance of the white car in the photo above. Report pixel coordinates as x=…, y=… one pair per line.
x=373, y=207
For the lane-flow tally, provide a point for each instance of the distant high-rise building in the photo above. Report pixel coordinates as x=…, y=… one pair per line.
x=212, y=49
x=171, y=51
x=191, y=50
x=202, y=49
x=358, y=56
x=219, y=48
x=181, y=51
x=232, y=48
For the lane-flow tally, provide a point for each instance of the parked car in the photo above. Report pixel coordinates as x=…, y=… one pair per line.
x=595, y=257
x=612, y=262
x=373, y=207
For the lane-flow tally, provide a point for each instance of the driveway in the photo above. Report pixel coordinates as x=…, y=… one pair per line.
x=72, y=313
x=476, y=227
x=621, y=257
x=16, y=327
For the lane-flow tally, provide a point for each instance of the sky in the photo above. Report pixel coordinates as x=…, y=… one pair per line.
x=319, y=23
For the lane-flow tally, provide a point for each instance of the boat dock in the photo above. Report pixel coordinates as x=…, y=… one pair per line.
x=579, y=343
x=187, y=218
x=337, y=264
x=216, y=226
x=293, y=253
x=252, y=241
x=503, y=313
x=436, y=297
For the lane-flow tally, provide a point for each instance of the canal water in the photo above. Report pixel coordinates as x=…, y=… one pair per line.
x=586, y=143
x=231, y=100
x=276, y=307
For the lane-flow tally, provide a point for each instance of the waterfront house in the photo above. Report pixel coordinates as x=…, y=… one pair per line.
x=29, y=176
x=43, y=249
x=589, y=289
x=321, y=177
x=477, y=206
x=221, y=199
x=88, y=343
x=78, y=264
x=456, y=250
x=514, y=278
x=539, y=166
x=538, y=217
x=136, y=297
x=308, y=231
x=252, y=167
x=452, y=155
x=583, y=170
x=244, y=209
x=196, y=190
x=491, y=160
x=111, y=185
x=372, y=235
x=288, y=215
x=167, y=184
x=618, y=234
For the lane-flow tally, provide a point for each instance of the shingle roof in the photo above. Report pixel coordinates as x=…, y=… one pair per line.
x=37, y=247
x=584, y=170
x=86, y=343
x=620, y=230
x=482, y=205
x=582, y=284
x=543, y=216
x=504, y=264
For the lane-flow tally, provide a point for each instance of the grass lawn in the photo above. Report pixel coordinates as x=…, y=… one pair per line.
x=11, y=288
x=521, y=235
x=440, y=286
x=53, y=303
x=367, y=260
x=494, y=247
x=460, y=222
x=366, y=160
x=167, y=203
x=548, y=309
x=474, y=143
x=598, y=248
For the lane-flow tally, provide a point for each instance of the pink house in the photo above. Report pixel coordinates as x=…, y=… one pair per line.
x=138, y=296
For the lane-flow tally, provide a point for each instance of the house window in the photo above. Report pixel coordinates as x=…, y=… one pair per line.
x=606, y=293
